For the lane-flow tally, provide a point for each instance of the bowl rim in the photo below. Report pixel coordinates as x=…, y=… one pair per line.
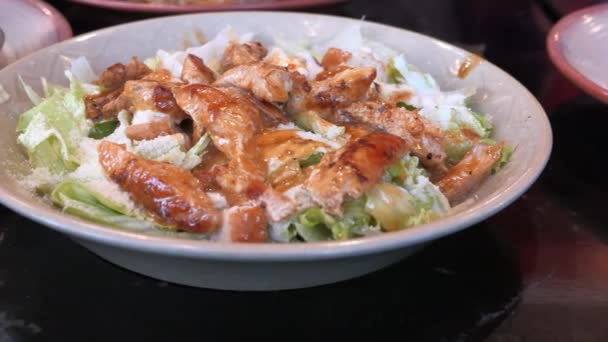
x=284, y=252
x=553, y=43
x=121, y=5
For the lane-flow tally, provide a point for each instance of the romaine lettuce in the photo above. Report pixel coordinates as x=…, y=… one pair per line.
x=171, y=149
x=505, y=156
x=76, y=199
x=50, y=133
x=312, y=121
x=314, y=224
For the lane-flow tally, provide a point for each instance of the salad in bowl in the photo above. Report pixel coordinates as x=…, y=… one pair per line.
x=243, y=141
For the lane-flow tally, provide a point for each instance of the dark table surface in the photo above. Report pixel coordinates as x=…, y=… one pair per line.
x=537, y=271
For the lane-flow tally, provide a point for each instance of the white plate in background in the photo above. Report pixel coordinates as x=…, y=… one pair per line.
x=29, y=25
x=578, y=46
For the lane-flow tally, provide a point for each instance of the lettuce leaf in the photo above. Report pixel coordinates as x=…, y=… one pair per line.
x=312, y=121
x=152, y=62
x=354, y=221
x=417, y=183
x=506, y=153
x=284, y=231
x=195, y=154
x=76, y=199
x=485, y=123
x=170, y=148
x=449, y=109
x=403, y=72
x=50, y=133
x=457, y=144
x=314, y=224
x=30, y=92
x=47, y=155
x=423, y=195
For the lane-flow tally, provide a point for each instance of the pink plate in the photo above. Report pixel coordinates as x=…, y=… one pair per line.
x=126, y=5
x=578, y=46
x=29, y=25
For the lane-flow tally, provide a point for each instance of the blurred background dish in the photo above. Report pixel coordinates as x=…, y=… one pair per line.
x=29, y=25
x=578, y=46
x=185, y=6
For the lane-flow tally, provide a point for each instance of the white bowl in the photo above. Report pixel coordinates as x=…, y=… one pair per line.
x=517, y=115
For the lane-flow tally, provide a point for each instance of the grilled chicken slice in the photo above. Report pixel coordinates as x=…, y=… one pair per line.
x=195, y=71
x=335, y=91
x=160, y=75
x=232, y=123
x=150, y=130
x=271, y=114
x=241, y=54
x=266, y=81
x=147, y=95
x=334, y=58
x=170, y=193
x=246, y=223
x=423, y=136
x=112, y=80
x=95, y=105
x=116, y=75
x=470, y=171
x=353, y=169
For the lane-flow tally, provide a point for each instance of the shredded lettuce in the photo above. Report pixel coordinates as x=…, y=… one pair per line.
x=392, y=74
x=284, y=231
x=449, y=109
x=420, y=187
x=355, y=220
x=505, y=155
x=312, y=121
x=171, y=149
x=47, y=154
x=291, y=47
x=457, y=144
x=485, y=124
x=423, y=216
x=194, y=156
x=76, y=199
x=408, y=174
x=314, y=224
x=211, y=52
x=30, y=92
x=348, y=39
x=406, y=197
x=81, y=70
x=402, y=72
x=152, y=62
x=51, y=131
